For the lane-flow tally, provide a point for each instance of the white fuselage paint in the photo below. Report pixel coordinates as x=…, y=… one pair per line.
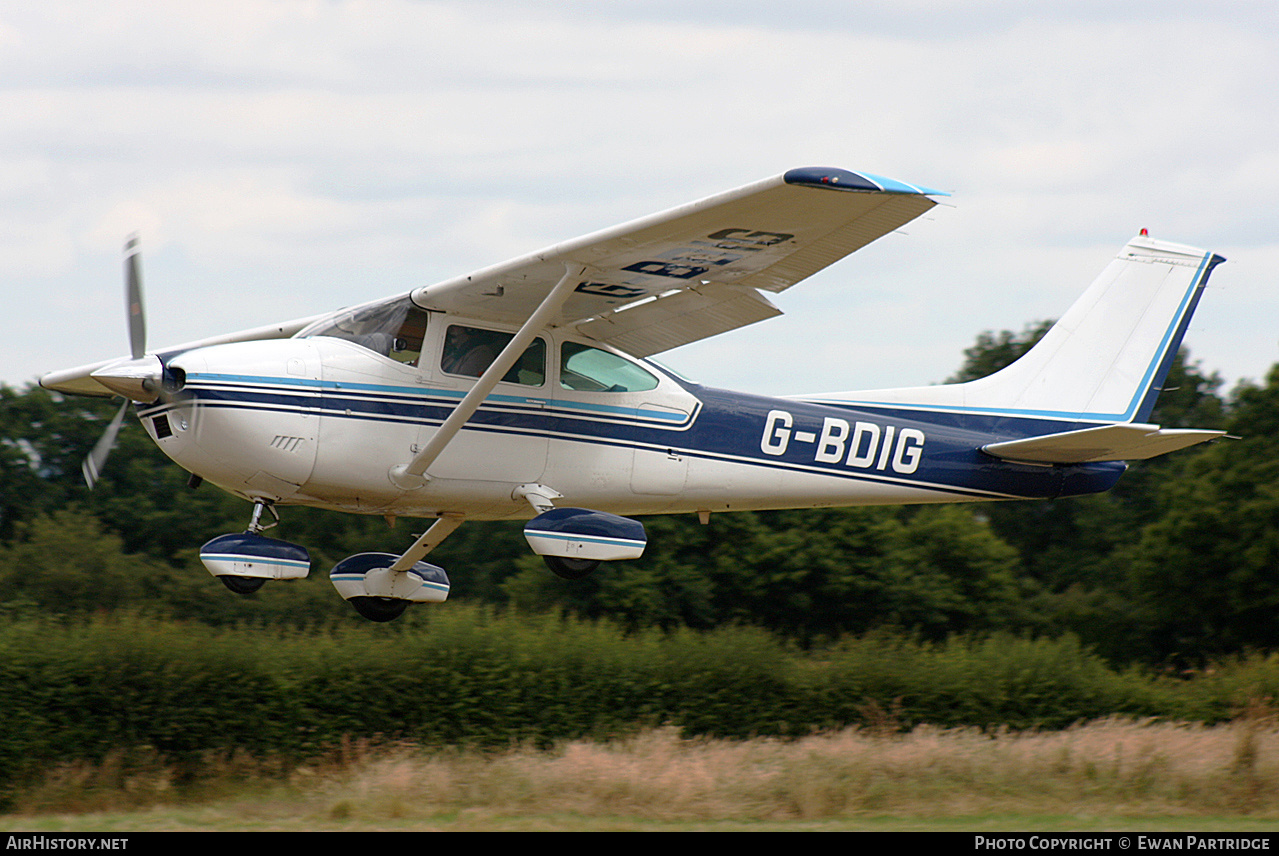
x=321, y=422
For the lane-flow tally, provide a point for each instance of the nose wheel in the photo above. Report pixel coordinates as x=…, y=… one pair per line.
x=244, y=561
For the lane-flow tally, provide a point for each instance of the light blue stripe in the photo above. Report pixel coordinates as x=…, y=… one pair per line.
x=261, y=560
x=351, y=578
x=275, y=383
x=892, y=185
x=559, y=536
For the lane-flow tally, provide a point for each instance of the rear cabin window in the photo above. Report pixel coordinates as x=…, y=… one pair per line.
x=592, y=370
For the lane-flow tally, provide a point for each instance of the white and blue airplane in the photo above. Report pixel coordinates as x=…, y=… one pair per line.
x=523, y=391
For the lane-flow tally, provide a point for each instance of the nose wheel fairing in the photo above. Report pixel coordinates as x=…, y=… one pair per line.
x=250, y=555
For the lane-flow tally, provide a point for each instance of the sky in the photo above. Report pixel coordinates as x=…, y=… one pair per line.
x=281, y=158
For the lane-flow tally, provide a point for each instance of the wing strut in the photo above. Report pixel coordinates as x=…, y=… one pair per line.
x=411, y=476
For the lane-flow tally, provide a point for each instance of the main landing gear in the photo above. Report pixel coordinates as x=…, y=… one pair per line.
x=381, y=586
x=573, y=541
x=379, y=590
x=571, y=569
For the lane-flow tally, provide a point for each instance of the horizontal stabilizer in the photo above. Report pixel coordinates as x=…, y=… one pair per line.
x=1121, y=442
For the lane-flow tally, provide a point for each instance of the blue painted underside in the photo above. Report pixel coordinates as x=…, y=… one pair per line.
x=249, y=546
x=584, y=524
x=355, y=567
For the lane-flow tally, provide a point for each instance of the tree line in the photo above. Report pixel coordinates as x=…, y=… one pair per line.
x=1177, y=565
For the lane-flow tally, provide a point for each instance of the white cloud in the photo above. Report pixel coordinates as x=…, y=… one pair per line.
x=281, y=158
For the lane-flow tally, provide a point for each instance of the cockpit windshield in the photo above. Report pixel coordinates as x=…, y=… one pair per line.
x=393, y=329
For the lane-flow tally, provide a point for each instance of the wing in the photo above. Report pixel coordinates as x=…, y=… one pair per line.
x=79, y=380
x=694, y=271
x=665, y=280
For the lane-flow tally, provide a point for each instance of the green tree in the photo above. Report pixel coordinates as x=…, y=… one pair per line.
x=66, y=564
x=1077, y=551
x=808, y=574
x=1207, y=570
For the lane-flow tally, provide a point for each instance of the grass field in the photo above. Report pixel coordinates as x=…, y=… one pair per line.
x=1107, y=775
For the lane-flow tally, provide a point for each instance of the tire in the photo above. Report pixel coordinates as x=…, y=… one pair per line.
x=380, y=609
x=570, y=569
x=242, y=585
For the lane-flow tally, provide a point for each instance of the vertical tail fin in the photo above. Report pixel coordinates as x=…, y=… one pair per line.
x=1107, y=357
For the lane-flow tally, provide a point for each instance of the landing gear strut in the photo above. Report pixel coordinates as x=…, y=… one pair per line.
x=255, y=522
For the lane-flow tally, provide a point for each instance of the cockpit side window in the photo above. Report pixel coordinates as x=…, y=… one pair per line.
x=593, y=370
x=394, y=329
x=468, y=351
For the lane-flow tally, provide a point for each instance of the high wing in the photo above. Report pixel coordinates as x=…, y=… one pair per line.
x=661, y=281
x=691, y=272
x=80, y=380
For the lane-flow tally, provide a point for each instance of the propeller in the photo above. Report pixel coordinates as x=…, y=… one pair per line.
x=133, y=297
x=130, y=379
x=97, y=458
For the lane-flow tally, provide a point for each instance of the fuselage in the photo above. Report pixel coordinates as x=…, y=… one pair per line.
x=321, y=420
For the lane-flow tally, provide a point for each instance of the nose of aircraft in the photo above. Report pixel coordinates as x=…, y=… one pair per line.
x=139, y=380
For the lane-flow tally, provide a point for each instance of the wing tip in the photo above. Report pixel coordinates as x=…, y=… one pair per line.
x=834, y=178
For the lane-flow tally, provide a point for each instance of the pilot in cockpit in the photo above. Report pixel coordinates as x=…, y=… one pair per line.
x=467, y=351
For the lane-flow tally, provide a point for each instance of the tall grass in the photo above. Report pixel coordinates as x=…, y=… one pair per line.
x=132, y=695
x=1105, y=770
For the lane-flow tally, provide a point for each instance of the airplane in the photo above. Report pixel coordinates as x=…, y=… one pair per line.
x=525, y=391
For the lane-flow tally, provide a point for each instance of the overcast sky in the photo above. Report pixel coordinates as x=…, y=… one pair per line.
x=281, y=159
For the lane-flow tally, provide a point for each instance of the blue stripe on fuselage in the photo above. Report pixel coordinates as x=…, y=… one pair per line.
x=949, y=452
x=726, y=426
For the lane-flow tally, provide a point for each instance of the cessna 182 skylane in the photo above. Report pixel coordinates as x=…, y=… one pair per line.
x=522, y=391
